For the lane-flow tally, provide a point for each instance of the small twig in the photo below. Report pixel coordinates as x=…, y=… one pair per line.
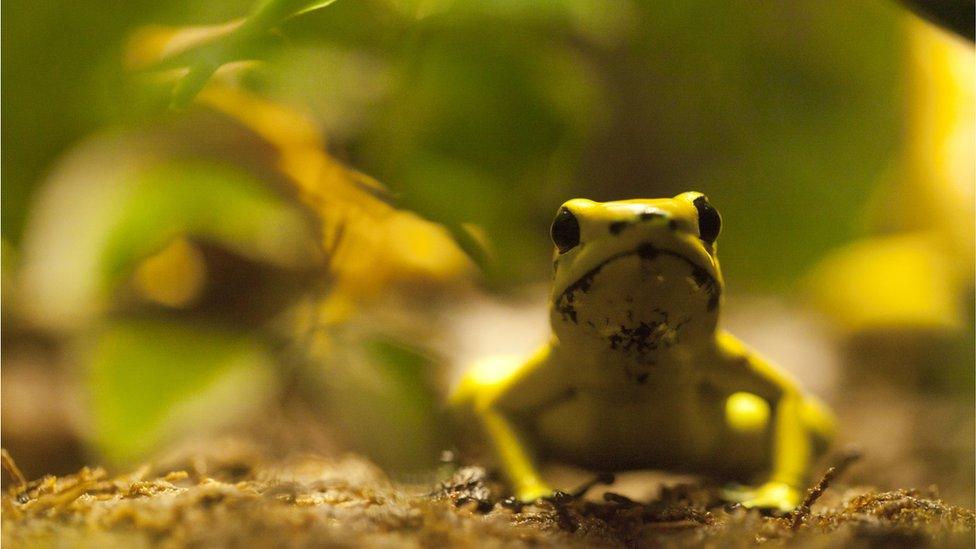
x=814, y=493
x=602, y=478
x=11, y=467
x=560, y=502
x=611, y=497
x=560, y=498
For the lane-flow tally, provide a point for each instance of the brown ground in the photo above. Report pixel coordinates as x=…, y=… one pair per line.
x=236, y=492
x=240, y=499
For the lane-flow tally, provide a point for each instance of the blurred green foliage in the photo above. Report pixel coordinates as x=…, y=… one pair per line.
x=206, y=201
x=785, y=113
x=497, y=115
x=152, y=380
x=64, y=79
x=380, y=396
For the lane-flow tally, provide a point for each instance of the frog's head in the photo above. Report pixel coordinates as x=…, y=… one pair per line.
x=636, y=277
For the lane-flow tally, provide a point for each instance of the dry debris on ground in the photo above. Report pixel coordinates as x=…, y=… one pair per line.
x=314, y=501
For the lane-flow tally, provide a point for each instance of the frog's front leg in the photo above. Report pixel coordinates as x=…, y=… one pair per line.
x=791, y=456
x=800, y=427
x=500, y=389
x=515, y=456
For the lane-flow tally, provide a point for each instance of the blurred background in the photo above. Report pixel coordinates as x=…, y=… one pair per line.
x=293, y=223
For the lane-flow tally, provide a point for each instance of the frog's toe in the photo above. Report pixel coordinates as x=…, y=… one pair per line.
x=773, y=496
x=530, y=493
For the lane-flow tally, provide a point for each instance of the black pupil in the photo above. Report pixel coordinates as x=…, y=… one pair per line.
x=709, y=222
x=565, y=231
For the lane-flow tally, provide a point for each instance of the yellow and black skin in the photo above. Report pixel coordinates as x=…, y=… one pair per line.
x=636, y=373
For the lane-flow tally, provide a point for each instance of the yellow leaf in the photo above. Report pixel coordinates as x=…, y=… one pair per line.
x=371, y=244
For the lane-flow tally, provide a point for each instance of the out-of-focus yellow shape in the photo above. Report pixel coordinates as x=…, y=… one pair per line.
x=940, y=176
x=919, y=273
x=174, y=277
x=746, y=413
x=370, y=243
x=889, y=282
x=493, y=370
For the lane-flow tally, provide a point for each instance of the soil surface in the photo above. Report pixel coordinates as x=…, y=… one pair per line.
x=239, y=499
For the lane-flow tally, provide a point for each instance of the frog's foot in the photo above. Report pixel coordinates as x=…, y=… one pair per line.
x=771, y=496
x=539, y=490
x=557, y=498
x=529, y=493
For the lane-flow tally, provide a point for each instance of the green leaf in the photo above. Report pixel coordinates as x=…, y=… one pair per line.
x=91, y=230
x=152, y=381
x=209, y=56
x=385, y=405
x=210, y=201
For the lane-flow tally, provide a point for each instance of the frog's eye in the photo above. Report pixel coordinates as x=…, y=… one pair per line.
x=709, y=222
x=565, y=231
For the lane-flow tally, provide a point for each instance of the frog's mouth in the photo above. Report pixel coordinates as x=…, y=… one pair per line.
x=565, y=303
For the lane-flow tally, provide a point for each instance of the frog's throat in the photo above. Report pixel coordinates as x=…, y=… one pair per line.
x=566, y=307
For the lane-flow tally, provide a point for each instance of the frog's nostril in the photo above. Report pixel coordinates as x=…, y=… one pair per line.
x=618, y=226
x=651, y=215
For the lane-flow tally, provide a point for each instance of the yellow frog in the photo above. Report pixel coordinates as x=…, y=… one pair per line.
x=636, y=373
